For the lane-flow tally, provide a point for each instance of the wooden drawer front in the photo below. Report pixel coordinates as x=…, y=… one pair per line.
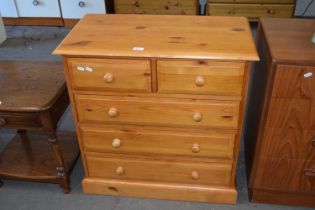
x=136, y=168
x=289, y=143
x=19, y=120
x=294, y=82
x=178, y=7
x=77, y=9
x=253, y=11
x=285, y=174
x=159, y=141
x=158, y=111
x=254, y=1
x=38, y=8
x=200, y=77
x=110, y=74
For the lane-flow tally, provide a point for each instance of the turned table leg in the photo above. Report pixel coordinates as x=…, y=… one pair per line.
x=1, y=183
x=61, y=171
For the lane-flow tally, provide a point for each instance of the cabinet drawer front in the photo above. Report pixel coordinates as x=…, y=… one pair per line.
x=179, y=7
x=253, y=1
x=8, y=9
x=38, y=8
x=77, y=9
x=159, y=141
x=110, y=74
x=294, y=82
x=158, y=111
x=20, y=120
x=200, y=77
x=286, y=175
x=253, y=11
x=146, y=169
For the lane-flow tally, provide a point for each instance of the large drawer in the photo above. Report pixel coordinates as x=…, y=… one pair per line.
x=146, y=169
x=252, y=11
x=38, y=8
x=158, y=111
x=157, y=141
x=77, y=9
x=201, y=77
x=110, y=74
x=178, y=7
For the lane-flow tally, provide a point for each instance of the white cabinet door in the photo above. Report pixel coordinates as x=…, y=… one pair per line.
x=73, y=9
x=8, y=9
x=38, y=8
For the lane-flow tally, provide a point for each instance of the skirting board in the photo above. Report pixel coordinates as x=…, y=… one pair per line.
x=160, y=190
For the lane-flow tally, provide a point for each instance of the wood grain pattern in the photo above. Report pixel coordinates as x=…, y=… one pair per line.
x=160, y=190
x=138, y=140
x=22, y=92
x=127, y=75
x=294, y=82
x=159, y=170
x=33, y=21
x=220, y=78
x=251, y=11
x=150, y=111
x=165, y=7
x=234, y=43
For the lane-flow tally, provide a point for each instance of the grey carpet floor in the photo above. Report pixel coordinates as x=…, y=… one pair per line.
x=37, y=43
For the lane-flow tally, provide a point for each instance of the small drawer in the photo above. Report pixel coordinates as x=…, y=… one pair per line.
x=77, y=9
x=19, y=120
x=140, y=140
x=146, y=169
x=38, y=8
x=201, y=77
x=110, y=74
x=252, y=11
x=158, y=111
x=166, y=7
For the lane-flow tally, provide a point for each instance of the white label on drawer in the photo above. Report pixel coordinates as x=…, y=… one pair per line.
x=80, y=68
x=138, y=48
x=88, y=69
x=308, y=74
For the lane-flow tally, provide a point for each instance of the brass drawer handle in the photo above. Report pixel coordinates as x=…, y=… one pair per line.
x=2, y=121
x=194, y=175
x=120, y=170
x=136, y=3
x=309, y=172
x=109, y=77
x=197, y=116
x=116, y=143
x=195, y=148
x=113, y=112
x=200, y=81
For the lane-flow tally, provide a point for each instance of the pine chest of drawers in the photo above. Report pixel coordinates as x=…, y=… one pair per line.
x=158, y=103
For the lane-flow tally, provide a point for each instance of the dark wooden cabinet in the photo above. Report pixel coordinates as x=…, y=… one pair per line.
x=280, y=130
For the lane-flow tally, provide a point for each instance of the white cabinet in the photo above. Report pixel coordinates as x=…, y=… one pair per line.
x=8, y=9
x=74, y=9
x=38, y=8
x=2, y=31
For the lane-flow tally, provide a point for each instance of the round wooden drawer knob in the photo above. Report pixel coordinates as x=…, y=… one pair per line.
x=200, y=81
x=113, y=112
x=194, y=175
x=2, y=121
x=109, y=77
x=120, y=170
x=195, y=148
x=197, y=117
x=116, y=143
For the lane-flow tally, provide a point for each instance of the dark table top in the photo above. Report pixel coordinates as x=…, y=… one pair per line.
x=30, y=86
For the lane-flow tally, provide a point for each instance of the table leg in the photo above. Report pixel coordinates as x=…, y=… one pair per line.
x=62, y=173
x=1, y=183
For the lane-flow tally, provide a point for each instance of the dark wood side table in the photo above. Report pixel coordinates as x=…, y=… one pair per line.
x=33, y=97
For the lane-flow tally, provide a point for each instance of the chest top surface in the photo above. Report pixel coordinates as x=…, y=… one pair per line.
x=30, y=85
x=153, y=36
x=290, y=39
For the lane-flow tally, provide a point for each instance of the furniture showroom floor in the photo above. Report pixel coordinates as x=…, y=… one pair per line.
x=37, y=43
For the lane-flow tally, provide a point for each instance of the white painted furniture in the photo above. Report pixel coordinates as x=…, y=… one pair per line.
x=75, y=9
x=8, y=9
x=3, y=35
x=38, y=8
